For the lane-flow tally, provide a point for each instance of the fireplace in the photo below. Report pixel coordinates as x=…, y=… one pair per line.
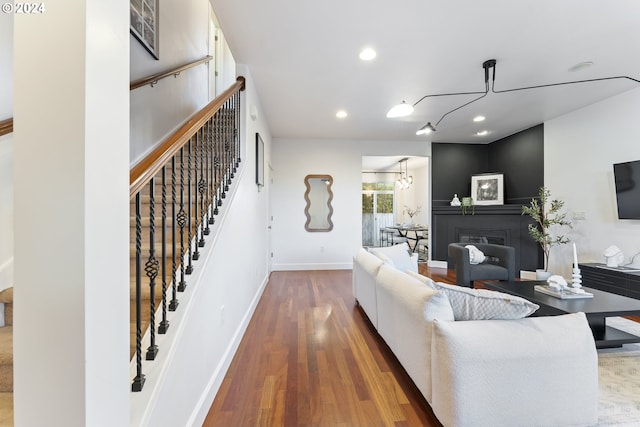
x=502, y=225
x=473, y=235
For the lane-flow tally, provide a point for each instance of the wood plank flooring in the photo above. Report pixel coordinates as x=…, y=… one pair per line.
x=310, y=357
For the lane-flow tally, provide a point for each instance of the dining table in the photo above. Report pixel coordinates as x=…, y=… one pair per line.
x=413, y=233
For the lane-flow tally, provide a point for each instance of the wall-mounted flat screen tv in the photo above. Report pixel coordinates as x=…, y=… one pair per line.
x=627, y=181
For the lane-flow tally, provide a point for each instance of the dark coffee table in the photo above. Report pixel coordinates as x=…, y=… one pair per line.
x=597, y=309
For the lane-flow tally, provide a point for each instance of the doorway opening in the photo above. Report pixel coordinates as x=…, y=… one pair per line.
x=395, y=192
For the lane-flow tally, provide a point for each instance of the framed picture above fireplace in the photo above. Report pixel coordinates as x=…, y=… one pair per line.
x=487, y=189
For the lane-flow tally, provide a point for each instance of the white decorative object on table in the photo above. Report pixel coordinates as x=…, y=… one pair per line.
x=576, y=277
x=455, y=201
x=557, y=287
x=557, y=283
x=614, y=256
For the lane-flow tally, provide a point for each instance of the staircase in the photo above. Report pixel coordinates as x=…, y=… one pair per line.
x=197, y=165
x=6, y=360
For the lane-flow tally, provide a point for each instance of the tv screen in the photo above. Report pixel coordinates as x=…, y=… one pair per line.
x=627, y=181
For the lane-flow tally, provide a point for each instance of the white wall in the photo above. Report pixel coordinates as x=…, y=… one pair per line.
x=580, y=149
x=292, y=159
x=159, y=110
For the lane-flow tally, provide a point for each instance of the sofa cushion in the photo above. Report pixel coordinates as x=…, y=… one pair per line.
x=482, y=304
x=369, y=263
x=538, y=371
x=398, y=255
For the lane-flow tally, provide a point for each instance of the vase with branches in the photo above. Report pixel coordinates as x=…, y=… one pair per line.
x=547, y=214
x=411, y=212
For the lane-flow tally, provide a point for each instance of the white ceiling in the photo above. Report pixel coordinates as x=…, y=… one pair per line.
x=303, y=57
x=392, y=163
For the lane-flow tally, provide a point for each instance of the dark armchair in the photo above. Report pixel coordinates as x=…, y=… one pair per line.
x=499, y=264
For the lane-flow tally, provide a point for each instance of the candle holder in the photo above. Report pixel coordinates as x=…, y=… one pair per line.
x=576, y=277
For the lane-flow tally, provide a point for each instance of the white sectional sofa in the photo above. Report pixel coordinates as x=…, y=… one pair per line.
x=503, y=370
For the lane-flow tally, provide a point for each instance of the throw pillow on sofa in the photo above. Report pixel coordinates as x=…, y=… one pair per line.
x=482, y=304
x=397, y=255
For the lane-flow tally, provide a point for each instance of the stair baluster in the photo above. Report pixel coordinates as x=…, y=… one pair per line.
x=202, y=187
x=151, y=269
x=138, y=381
x=164, y=323
x=236, y=116
x=189, y=253
x=196, y=148
x=210, y=200
x=182, y=222
x=173, y=305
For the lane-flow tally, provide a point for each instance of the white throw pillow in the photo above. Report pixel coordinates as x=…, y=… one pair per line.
x=397, y=254
x=476, y=256
x=481, y=304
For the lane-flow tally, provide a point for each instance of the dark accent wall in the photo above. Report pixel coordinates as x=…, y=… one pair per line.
x=452, y=167
x=520, y=157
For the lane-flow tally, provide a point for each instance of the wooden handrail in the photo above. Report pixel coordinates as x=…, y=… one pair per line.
x=6, y=126
x=148, y=167
x=153, y=79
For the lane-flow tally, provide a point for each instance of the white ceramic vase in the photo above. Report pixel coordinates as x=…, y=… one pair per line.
x=542, y=275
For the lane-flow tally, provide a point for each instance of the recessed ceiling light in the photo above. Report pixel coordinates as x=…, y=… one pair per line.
x=581, y=66
x=367, y=54
x=479, y=118
x=341, y=114
x=482, y=133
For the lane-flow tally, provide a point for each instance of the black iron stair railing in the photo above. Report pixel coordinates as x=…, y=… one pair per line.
x=201, y=159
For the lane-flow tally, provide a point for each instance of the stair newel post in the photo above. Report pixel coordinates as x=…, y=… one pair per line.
x=138, y=381
x=151, y=269
x=182, y=222
x=173, y=304
x=164, y=323
x=197, y=139
x=202, y=185
x=209, y=169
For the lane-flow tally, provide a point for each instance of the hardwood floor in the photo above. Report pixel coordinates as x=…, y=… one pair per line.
x=310, y=357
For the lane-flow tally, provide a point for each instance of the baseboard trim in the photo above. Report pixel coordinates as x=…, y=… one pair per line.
x=437, y=264
x=215, y=382
x=313, y=266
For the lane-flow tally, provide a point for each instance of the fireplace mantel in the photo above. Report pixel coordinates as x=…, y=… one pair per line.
x=479, y=210
x=504, y=223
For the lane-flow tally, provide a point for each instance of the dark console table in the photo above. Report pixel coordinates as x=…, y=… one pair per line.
x=619, y=281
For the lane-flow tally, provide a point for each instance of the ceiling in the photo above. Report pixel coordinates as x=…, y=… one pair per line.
x=303, y=57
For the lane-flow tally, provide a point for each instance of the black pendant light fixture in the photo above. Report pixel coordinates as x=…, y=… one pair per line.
x=489, y=66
